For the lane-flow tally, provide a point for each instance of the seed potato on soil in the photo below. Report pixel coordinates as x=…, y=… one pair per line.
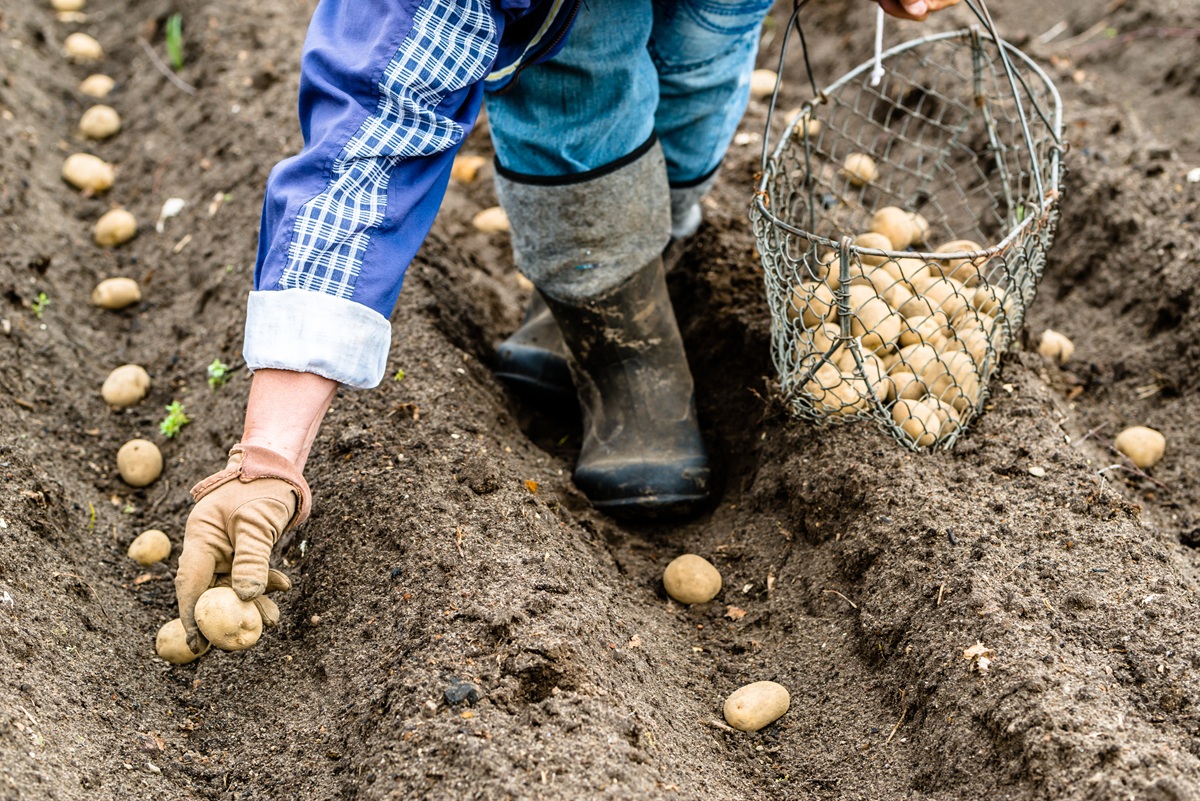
x=1144, y=446
x=88, y=172
x=100, y=122
x=762, y=83
x=809, y=127
x=116, y=293
x=691, y=579
x=551, y=609
x=116, y=227
x=82, y=49
x=125, y=386
x=97, y=85
x=860, y=170
x=756, y=705
x=491, y=220
x=149, y=547
x=1055, y=346
x=466, y=167
x=139, y=462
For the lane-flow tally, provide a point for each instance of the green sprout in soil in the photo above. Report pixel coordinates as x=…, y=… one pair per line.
x=218, y=374
x=175, y=40
x=399, y=376
x=39, y=305
x=174, y=420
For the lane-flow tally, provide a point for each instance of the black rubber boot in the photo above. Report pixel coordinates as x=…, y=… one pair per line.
x=642, y=451
x=533, y=361
x=592, y=244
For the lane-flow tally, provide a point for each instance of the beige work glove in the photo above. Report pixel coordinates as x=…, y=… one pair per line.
x=240, y=513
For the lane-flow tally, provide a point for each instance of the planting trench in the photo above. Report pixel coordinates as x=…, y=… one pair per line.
x=862, y=571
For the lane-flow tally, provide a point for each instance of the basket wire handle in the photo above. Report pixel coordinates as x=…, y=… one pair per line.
x=980, y=10
x=878, y=72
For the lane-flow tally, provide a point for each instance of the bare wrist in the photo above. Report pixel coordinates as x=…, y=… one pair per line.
x=285, y=411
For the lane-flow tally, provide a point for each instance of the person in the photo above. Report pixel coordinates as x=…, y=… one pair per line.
x=609, y=119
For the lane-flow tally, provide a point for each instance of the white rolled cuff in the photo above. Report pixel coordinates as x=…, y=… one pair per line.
x=311, y=332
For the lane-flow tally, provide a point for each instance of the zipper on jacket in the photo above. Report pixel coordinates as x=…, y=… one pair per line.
x=555, y=42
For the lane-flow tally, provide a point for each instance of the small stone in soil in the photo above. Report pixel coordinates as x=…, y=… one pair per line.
x=460, y=691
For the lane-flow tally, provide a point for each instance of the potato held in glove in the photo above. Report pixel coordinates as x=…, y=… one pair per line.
x=227, y=621
x=171, y=644
x=240, y=513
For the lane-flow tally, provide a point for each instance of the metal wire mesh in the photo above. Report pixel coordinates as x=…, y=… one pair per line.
x=903, y=228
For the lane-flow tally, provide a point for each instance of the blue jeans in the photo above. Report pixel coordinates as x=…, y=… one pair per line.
x=631, y=69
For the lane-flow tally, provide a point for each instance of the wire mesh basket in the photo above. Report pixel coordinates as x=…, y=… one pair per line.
x=903, y=228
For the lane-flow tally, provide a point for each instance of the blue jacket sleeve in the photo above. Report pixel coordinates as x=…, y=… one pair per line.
x=389, y=90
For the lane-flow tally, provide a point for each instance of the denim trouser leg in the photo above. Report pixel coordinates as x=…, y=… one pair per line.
x=630, y=68
x=703, y=51
x=590, y=105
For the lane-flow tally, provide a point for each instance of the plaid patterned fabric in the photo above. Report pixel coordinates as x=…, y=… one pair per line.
x=451, y=46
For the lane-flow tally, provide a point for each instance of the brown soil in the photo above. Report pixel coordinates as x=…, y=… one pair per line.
x=863, y=571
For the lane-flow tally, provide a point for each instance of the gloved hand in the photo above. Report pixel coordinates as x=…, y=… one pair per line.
x=240, y=513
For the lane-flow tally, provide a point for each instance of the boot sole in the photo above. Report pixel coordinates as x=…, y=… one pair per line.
x=651, y=506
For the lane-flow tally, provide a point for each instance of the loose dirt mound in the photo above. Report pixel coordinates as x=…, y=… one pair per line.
x=863, y=572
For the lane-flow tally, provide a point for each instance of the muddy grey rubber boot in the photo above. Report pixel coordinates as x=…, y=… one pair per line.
x=593, y=249
x=533, y=360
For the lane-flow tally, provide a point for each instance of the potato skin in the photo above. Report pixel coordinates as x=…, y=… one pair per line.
x=100, y=122
x=116, y=293
x=691, y=579
x=1144, y=446
x=139, y=462
x=97, y=85
x=171, y=644
x=895, y=224
x=228, y=622
x=756, y=705
x=1056, y=347
x=149, y=547
x=860, y=169
x=81, y=48
x=87, y=172
x=919, y=421
x=125, y=386
x=115, y=227
x=491, y=221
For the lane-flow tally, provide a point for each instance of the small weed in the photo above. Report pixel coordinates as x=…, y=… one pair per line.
x=175, y=40
x=218, y=374
x=399, y=376
x=39, y=305
x=174, y=421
